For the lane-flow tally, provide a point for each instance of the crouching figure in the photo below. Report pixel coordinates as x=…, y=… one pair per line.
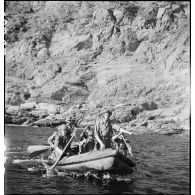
x=88, y=143
x=121, y=144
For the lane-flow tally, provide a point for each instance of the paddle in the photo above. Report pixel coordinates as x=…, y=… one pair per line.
x=139, y=170
x=128, y=146
x=54, y=165
x=37, y=150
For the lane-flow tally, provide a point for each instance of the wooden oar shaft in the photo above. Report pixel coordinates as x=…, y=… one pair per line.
x=125, y=131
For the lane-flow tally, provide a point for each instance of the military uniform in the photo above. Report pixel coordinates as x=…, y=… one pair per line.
x=120, y=145
x=87, y=145
x=60, y=142
x=104, y=130
x=83, y=136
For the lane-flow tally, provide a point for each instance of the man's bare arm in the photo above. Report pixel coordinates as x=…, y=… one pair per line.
x=114, y=137
x=56, y=144
x=120, y=129
x=81, y=144
x=102, y=146
x=50, y=139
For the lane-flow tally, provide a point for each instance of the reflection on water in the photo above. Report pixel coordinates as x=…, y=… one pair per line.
x=162, y=167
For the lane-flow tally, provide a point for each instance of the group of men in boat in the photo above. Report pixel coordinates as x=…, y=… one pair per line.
x=105, y=135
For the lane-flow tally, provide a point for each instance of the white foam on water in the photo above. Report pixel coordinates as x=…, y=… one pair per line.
x=106, y=176
x=31, y=169
x=12, y=152
x=15, y=148
x=34, y=169
x=26, y=160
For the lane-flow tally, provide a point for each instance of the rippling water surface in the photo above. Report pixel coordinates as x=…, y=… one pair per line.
x=162, y=167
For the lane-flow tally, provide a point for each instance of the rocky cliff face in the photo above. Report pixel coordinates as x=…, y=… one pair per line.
x=132, y=57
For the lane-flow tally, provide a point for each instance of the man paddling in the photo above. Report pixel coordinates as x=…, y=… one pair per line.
x=69, y=123
x=58, y=141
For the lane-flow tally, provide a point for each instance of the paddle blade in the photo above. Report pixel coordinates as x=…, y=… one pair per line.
x=37, y=150
x=36, y=153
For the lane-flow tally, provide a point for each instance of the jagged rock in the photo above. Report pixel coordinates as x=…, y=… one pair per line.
x=132, y=45
x=42, y=55
x=138, y=23
x=48, y=122
x=149, y=106
x=161, y=11
x=39, y=114
x=13, y=109
x=18, y=121
x=96, y=41
x=18, y=118
x=15, y=99
x=27, y=123
x=71, y=92
x=84, y=42
x=119, y=50
x=28, y=105
x=51, y=108
x=126, y=114
x=8, y=119
x=169, y=129
x=26, y=95
x=74, y=67
x=39, y=80
x=151, y=118
x=140, y=52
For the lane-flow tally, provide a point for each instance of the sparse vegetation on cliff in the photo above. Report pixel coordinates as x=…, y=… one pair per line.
x=131, y=56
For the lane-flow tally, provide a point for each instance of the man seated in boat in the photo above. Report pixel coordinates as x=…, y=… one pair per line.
x=121, y=144
x=118, y=144
x=70, y=123
x=58, y=141
x=84, y=134
x=87, y=144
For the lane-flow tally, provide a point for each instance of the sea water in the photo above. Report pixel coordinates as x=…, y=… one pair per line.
x=163, y=167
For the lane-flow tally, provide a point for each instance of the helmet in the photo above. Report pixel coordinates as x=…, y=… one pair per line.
x=106, y=111
x=90, y=133
x=62, y=127
x=64, y=130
